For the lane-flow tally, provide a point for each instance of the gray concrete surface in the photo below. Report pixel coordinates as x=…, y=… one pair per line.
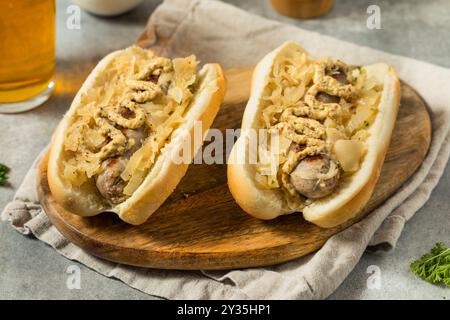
x=29, y=269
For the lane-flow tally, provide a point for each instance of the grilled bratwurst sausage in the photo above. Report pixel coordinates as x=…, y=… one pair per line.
x=315, y=177
x=135, y=139
x=108, y=182
x=327, y=98
x=340, y=76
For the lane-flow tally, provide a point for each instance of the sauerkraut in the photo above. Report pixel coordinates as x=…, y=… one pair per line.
x=135, y=91
x=314, y=105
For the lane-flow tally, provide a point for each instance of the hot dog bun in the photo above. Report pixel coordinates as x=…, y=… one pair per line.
x=355, y=189
x=163, y=175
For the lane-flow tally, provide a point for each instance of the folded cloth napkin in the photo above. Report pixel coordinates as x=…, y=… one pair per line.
x=217, y=32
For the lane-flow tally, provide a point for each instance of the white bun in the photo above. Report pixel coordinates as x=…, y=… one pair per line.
x=164, y=175
x=349, y=199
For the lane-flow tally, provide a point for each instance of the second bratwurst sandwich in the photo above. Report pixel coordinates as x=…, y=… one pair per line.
x=113, y=150
x=333, y=124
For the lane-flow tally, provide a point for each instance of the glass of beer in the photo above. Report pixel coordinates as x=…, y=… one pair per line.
x=27, y=53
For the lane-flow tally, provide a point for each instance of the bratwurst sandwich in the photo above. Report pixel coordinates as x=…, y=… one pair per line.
x=113, y=150
x=333, y=124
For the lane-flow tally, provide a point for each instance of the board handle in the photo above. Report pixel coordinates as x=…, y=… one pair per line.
x=148, y=37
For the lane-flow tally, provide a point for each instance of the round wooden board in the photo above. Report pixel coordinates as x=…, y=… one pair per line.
x=201, y=227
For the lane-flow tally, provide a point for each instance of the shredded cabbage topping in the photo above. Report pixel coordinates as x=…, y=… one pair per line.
x=137, y=92
x=310, y=105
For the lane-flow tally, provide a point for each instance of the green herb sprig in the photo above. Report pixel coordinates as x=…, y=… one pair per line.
x=434, y=267
x=3, y=174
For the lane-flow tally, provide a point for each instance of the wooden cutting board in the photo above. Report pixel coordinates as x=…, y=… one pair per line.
x=201, y=227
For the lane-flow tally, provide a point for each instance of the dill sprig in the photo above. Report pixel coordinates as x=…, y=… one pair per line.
x=434, y=266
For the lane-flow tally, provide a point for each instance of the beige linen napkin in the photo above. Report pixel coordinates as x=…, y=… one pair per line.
x=217, y=32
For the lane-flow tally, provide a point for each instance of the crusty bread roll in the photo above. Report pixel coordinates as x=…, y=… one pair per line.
x=172, y=94
x=351, y=146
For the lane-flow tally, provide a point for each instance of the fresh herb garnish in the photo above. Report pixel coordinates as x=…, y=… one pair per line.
x=3, y=174
x=434, y=267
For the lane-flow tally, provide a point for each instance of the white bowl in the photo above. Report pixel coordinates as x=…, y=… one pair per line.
x=107, y=7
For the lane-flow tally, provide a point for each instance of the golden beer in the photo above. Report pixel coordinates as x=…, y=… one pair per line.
x=27, y=53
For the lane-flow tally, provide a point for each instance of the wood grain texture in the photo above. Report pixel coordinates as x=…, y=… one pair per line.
x=201, y=227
